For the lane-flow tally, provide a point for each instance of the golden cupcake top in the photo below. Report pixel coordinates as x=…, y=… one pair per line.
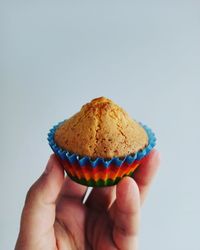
x=101, y=129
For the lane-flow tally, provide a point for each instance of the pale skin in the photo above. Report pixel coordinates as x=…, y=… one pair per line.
x=55, y=218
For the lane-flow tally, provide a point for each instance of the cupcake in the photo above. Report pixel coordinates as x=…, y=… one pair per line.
x=101, y=143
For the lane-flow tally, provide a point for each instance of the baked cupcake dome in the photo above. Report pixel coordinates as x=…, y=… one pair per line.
x=101, y=129
x=101, y=143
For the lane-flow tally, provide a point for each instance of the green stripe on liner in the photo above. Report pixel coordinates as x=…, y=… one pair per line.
x=99, y=183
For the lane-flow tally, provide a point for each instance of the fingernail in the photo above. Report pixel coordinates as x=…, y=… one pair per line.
x=49, y=166
x=157, y=155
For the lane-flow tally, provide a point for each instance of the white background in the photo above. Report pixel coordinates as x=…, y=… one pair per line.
x=145, y=55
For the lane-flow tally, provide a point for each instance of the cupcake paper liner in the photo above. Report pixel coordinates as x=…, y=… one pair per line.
x=100, y=172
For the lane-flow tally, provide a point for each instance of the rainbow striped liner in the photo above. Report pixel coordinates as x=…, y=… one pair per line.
x=100, y=172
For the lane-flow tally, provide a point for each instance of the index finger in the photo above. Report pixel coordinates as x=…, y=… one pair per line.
x=144, y=174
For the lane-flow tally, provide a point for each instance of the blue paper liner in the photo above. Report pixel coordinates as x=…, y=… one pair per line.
x=85, y=160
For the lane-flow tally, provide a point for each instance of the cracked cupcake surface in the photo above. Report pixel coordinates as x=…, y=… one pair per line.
x=101, y=129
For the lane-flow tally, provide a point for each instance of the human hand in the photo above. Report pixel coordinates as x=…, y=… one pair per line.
x=54, y=217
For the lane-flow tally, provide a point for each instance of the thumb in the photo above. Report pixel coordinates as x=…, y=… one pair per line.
x=38, y=214
x=126, y=214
